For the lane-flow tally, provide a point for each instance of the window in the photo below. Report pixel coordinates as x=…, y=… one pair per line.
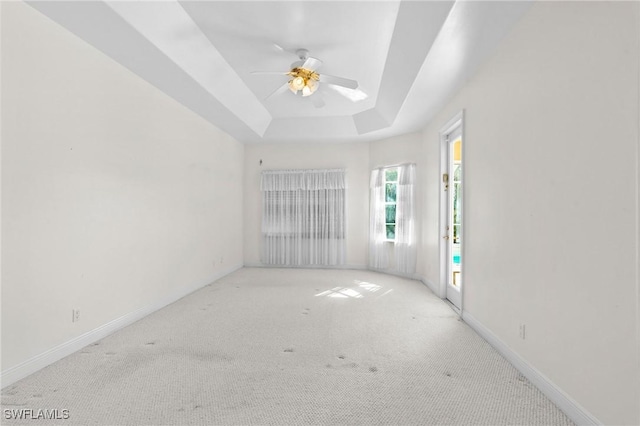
x=390, y=191
x=303, y=217
x=457, y=198
x=392, y=218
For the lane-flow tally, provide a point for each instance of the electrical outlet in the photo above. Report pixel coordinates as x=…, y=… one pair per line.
x=75, y=315
x=523, y=331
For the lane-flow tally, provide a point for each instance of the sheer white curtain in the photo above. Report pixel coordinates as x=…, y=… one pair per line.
x=405, y=246
x=378, y=258
x=303, y=217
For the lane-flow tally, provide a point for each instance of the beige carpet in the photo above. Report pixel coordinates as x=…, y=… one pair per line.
x=281, y=346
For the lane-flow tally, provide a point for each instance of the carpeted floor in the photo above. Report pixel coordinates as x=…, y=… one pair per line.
x=283, y=346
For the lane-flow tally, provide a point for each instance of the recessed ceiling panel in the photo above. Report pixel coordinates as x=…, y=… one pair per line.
x=408, y=57
x=350, y=38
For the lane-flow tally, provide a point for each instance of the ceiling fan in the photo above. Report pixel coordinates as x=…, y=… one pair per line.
x=304, y=78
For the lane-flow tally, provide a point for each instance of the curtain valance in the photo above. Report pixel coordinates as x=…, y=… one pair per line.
x=308, y=180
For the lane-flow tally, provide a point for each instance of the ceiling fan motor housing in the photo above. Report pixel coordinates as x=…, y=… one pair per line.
x=303, y=54
x=303, y=79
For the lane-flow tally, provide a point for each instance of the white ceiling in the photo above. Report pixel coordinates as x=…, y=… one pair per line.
x=408, y=57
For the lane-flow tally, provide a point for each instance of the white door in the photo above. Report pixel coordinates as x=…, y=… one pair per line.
x=451, y=214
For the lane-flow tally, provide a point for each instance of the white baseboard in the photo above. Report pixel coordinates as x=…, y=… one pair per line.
x=571, y=408
x=434, y=289
x=56, y=353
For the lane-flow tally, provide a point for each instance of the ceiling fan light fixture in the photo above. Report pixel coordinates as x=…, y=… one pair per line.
x=312, y=85
x=310, y=88
x=298, y=83
x=303, y=79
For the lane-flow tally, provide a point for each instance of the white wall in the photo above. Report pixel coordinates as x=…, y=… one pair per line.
x=354, y=157
x=551, y=190
x=114, y=196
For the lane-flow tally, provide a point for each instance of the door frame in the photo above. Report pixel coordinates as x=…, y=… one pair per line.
x=449, y=127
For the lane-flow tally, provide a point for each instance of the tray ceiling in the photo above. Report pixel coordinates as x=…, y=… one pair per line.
x=408, y=57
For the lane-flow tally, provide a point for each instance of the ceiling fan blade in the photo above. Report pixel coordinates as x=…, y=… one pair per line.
x=268, y=73
x=354, y=95
x=339, y=81
x=312, y=63
x=317, y=100
x=280, y=90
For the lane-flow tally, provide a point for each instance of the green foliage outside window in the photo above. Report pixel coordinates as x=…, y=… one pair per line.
x=391, y=187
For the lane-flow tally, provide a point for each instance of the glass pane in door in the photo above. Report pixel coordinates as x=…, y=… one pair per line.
x=456, y=214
